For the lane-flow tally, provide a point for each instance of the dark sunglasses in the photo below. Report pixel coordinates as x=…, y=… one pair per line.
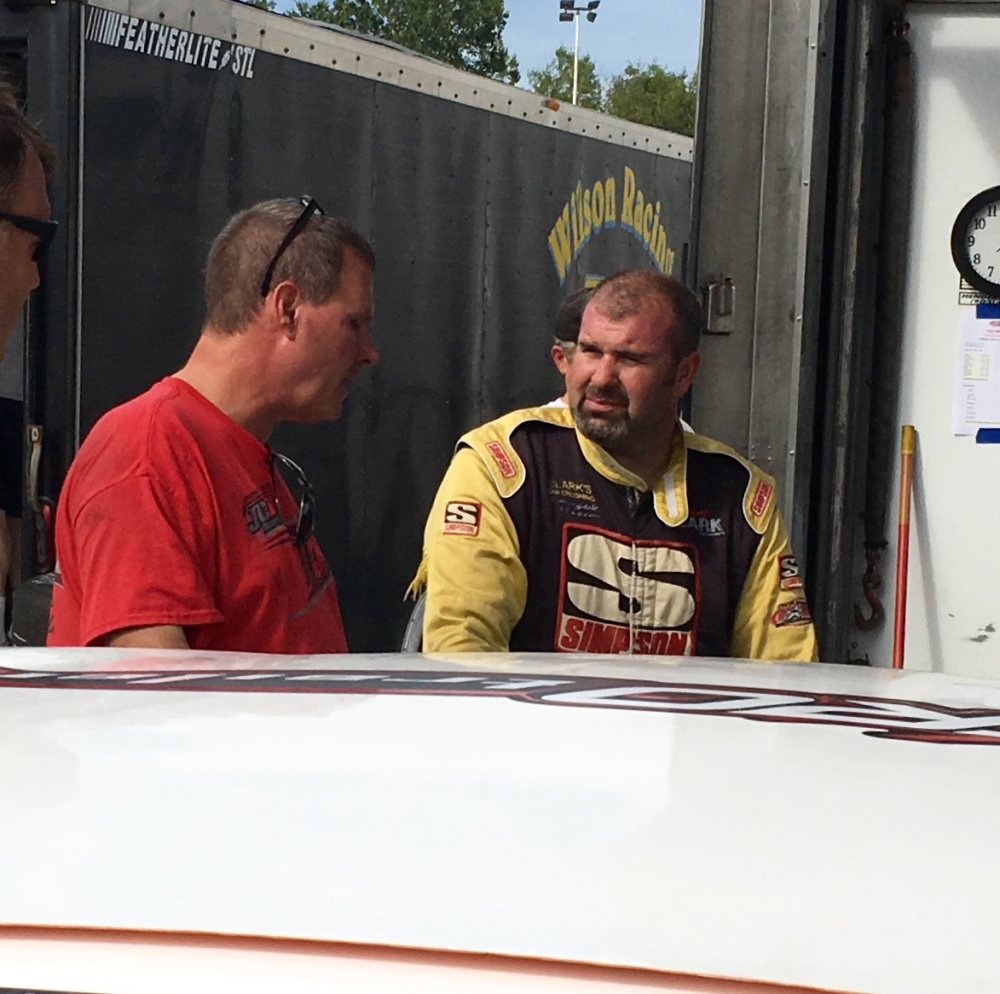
x=309, y=207
x=307, y=502
x=44, y=231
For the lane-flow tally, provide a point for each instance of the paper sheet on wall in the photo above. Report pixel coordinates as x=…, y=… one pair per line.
x=977, y=376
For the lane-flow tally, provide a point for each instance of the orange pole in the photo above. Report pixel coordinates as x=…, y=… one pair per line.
x=907, y=449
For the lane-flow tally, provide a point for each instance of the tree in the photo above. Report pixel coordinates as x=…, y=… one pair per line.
x=556, y=79
x=653, y=95
x=357, y=15
x=467, y=34
x=263, y=4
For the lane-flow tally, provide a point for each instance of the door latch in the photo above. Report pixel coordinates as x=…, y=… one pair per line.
x=719, y=301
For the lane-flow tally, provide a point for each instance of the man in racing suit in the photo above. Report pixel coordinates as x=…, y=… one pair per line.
x=605, y=528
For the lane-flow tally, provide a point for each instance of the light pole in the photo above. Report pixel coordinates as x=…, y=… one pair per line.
x=568, y=11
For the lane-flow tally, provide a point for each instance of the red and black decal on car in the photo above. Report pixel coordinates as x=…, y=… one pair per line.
x=878, y=717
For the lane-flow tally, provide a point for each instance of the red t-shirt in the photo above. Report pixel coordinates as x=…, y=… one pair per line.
x=172, y=514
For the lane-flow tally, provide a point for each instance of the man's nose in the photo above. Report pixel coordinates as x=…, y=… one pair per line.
x=368, y=353
x=605, y=371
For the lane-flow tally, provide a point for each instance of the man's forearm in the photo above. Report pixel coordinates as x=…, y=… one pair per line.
x=150, y=637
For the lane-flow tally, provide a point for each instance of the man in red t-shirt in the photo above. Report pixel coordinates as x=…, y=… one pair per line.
x=175, y=526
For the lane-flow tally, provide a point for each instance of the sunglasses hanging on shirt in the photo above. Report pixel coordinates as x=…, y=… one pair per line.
x=307, y=501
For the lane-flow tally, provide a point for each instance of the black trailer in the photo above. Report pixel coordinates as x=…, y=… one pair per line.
x=484, y=204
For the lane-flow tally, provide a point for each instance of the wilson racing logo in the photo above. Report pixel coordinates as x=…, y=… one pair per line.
x=877, y=717
x=621, y=596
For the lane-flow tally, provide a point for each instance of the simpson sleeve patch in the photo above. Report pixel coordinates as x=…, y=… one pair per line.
x=462, y=517
x=789, y=574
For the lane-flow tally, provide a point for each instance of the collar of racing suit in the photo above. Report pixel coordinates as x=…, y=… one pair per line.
x=669, y=492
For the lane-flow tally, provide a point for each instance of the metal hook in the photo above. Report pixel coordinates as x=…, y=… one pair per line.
x=870, y=582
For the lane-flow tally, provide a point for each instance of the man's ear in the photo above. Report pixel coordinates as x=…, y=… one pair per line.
x=687, y=369
x=283, y=302
x=559, y=358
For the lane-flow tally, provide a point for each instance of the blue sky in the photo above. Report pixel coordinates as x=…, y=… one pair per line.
x=665, y=31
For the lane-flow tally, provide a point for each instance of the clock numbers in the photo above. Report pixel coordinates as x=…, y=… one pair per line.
x=975, y=242
x=983, y=240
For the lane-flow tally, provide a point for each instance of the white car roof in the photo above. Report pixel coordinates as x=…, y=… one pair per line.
x=824, y=826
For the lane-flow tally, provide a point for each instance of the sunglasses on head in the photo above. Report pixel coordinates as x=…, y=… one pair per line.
x=44, y=231
x=307, y=502
x=309, y=207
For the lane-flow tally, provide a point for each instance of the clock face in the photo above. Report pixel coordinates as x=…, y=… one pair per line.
x=975, y=242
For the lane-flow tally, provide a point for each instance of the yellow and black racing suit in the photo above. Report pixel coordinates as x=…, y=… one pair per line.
x=539, y=541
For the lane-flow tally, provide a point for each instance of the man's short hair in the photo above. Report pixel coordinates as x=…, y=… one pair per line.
x=628, y=293
x=17, y=136
x=244, y=248
x=566, y=320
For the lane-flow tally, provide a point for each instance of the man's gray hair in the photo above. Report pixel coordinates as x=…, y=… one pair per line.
x=244, y=248
x=629, y=293
x=17, y=136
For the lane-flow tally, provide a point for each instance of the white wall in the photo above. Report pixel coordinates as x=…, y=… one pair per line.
x=954, y=592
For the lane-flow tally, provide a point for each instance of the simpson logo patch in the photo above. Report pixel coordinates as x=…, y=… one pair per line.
x=621, y=596
x=462, y=517
x=790, y=578
x=761, y=497
x=502, y=460
x=794, y=613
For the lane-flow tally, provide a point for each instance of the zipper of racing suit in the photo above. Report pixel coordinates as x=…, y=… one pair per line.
x=634, y=497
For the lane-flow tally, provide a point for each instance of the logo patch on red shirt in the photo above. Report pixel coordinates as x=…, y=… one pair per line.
x=461, y=517
x=761, y=497
x=502, y=460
